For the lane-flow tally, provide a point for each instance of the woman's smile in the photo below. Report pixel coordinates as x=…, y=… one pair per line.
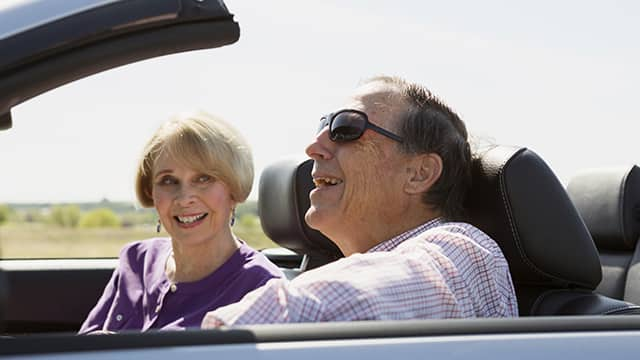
x=190, y=221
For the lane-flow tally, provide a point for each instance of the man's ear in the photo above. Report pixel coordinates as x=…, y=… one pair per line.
x=423, y=171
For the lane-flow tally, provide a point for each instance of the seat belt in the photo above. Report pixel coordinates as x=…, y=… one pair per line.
x=632, y=284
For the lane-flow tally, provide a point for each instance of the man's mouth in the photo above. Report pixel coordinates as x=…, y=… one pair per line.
x=326, y=181
x=190, y=219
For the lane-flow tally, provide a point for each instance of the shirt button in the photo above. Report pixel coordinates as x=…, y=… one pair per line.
x=174, y=288
x=119, y=317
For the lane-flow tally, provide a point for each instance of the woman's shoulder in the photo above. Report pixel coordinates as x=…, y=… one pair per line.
x=256, y=262
x=144, y=250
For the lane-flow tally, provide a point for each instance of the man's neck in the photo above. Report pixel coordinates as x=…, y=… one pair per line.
x=382, y=231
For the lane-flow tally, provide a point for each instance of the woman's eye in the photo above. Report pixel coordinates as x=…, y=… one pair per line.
x=204, y=178
x=167, y=180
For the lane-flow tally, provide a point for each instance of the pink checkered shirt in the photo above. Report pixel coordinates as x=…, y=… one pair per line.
x=437, y=270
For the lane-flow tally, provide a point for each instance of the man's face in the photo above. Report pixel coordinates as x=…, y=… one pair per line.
x=358, y=183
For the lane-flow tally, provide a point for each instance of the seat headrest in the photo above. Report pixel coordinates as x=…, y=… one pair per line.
x=517, y=200
x=283, y=200
x=609, y=201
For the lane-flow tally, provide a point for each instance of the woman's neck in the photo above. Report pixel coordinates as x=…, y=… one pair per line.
x=188, y=263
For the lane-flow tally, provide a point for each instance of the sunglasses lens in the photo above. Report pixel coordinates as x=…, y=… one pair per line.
x=347, y=126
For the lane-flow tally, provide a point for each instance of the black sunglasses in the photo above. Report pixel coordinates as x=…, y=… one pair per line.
x=348, y=125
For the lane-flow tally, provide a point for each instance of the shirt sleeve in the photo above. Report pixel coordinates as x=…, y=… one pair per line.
x=268, y=304
x=98, y=315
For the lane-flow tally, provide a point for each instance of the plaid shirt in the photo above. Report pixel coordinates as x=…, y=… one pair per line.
x=437, y=270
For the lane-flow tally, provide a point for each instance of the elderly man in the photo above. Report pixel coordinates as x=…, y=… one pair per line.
x=391, y=170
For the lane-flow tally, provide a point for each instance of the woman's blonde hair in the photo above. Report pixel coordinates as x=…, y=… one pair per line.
x=201, y=142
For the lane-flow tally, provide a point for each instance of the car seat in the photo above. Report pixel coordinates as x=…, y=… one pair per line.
x=517, y=200
x=609, y=201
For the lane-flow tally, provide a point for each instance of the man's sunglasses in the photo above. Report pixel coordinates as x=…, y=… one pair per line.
x=348, y=125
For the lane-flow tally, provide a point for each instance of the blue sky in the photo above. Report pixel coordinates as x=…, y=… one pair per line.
x=559, y=77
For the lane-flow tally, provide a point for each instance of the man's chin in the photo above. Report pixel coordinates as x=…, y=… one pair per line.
x=314, y=218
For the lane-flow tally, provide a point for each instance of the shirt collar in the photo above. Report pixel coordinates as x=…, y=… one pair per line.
x=391, y=244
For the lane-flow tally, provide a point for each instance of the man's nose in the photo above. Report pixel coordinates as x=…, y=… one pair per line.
x=321, y=147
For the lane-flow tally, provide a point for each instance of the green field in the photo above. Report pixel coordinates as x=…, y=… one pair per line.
x=42, y=240
x=95, y=230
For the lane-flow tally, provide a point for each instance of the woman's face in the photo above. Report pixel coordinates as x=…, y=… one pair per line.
x=193, y=207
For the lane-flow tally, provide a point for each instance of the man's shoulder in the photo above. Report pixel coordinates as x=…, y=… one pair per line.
x=356, y=266
x=452, y=227
x=456, y=234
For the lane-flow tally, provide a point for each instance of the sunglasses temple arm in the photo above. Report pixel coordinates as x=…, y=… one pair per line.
x=384, y=132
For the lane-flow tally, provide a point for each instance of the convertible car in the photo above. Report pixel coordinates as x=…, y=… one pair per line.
x=572, y=250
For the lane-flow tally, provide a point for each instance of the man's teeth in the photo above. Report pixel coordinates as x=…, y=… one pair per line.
x=190, y=219
x=326, y=181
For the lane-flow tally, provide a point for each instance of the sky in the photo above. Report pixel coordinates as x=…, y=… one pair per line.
x=558, y=77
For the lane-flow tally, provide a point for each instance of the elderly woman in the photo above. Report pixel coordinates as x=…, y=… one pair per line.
x=194, y=171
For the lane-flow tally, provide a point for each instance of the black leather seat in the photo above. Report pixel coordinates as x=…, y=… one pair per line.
x=609, y=201
x=519, y=202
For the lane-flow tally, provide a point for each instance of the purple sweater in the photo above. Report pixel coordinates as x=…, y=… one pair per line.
x=140, y=297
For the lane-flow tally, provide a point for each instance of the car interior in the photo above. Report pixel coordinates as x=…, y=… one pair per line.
x=517, y=199
x=608, y=200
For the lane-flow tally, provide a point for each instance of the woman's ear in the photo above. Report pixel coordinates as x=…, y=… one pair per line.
x=423, y=170
x=148, y=191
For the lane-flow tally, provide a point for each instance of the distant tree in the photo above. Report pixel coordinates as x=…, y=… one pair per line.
x=33, y=215
x=138, y=217
x=5, y=212
x=98, y=218
x=248, y=228
x=247, y=207
x=249, y=221
x=65, y=215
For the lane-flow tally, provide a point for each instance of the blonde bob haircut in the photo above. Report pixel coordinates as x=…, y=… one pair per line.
x=201, y=142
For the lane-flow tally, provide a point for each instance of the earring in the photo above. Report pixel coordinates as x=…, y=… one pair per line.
x=158, y=226
x=233, y=216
